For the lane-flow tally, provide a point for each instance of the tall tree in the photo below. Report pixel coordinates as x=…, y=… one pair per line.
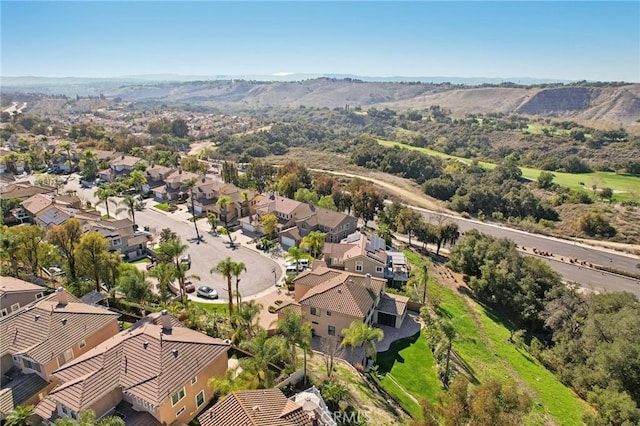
x=408, y=222
x=237, y=268
x=314, y=242
x=223, y=203
x=213, y=220
x=89, y=165
x=133, y=283
x=266, y=351
x=247, y=321
x=269, y=223
x=296, y=254
x=104, y=193
x=361, y=334
x=66, y=237
x=447, y=234
x=137, y=179
x=30, y=246
x=163, y=272
x=174, y=249
x=189, y=185
x=225, y=268
x=229, y=172
x=129, y=204
x=91, y=253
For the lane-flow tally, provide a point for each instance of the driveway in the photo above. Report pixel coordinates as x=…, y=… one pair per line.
x=262, y=272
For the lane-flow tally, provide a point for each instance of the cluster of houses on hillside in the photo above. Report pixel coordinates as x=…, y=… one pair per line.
x=64, y=357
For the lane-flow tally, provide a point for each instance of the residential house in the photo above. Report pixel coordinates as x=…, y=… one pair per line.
x=208, y=191
x=157, y=370
x=119, y=166
x=122, y=237
x=296, y=220
x=174, y=187
x=38, y=204
x=366, y=254
x=42, y=336
x=156, y=176
x=15, y=293
x=331, y=300
x=24, y=190
x=263, y=407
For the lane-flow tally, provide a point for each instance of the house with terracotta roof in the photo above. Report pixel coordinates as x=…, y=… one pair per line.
x=268, y=407
x=34, y=208
x=332, y=299
x=156, y=371
x=173, y=185
x=366, y=254
x=297, y=220
x=43, y=336
x=16, y=293
x=119, y=166
x=208, y=191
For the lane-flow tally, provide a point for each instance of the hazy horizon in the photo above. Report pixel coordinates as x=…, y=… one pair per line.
x=554, y=41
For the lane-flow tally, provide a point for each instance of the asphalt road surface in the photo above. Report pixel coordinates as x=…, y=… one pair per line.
x=262, y=271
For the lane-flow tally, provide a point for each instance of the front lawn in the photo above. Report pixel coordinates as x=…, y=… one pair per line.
x=162, y=206
x=221, y=308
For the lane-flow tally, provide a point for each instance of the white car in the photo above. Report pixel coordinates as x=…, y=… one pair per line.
x=208, y=292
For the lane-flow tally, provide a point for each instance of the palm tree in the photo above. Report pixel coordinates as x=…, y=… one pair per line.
x=129, y=203
x=163, y=272
x=223, y=203
x=238, y=268
x=89, y=164
x=212, y=220
x=19, y=416
x=137, y=179
x=266, y=352
x=174, y=249
x=296, y=254
x=361, y=334
x=296, y=331
x=246, y=321
x=225, y=268
x=424, y=278
x=189, y=185
x=104, y=192
x=314, y=242
x=66, y=145
x=449, y=331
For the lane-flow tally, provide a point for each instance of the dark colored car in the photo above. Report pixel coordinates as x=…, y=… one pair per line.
x=189, y=287
x=208, y=292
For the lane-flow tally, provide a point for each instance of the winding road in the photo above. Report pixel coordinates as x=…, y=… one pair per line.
x=584, y=276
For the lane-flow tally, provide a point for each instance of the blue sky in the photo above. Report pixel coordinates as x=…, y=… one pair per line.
x=564, y=40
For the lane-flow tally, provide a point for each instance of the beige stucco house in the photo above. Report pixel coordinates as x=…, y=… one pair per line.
x=332, y=299
x=157, y=368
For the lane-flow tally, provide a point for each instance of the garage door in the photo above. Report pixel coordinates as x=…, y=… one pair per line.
x=288, y=242
x=386, y=319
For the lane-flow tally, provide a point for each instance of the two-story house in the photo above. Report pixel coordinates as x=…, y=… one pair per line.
x=174, y=187
x=366, y=254
x=121, y=235
x=16, y=293
x=331, y=300
x=119, y=166
x=156, y=372
x=208, y=191
x=296, y=220
x=43, y=336
x=156, y=176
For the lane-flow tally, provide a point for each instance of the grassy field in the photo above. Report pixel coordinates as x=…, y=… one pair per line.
x=625, y=187
x=484, y=351
x=162, y=206
x=221, y=308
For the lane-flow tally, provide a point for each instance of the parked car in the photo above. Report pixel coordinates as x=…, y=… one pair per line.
x=189, y=287
x=208, y=292
x=186, y=259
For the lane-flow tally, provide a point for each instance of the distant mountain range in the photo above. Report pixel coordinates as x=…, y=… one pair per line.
x=615, y=103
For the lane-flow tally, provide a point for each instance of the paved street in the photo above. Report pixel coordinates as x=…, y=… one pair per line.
x=262, y=271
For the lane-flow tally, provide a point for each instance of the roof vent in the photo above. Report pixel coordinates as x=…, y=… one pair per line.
x=175, y=353
x=145, y=344
x=37, y=317
x=256, y=408
x=64, y=321
x=340, y=290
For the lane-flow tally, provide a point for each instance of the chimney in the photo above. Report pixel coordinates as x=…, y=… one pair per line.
x=166, y=321
x=62, y=296
x=367, y=281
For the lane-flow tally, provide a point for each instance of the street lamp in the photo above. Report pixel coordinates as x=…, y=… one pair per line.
x=275, y=276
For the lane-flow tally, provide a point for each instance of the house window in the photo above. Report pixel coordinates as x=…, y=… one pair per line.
x=65, y=357
x=194, y=380
x=314, y=322
x=177, y=397
x=200, y=399
x=39, y=295
x=116, y=242
x=379, y=269
x=4, y=313
x=331, y=330
x=180, y=411
x=359, y=267
x=82, y=344
x=15, y=307
x=31, y=365
x=314, y=312
x=328, y=313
